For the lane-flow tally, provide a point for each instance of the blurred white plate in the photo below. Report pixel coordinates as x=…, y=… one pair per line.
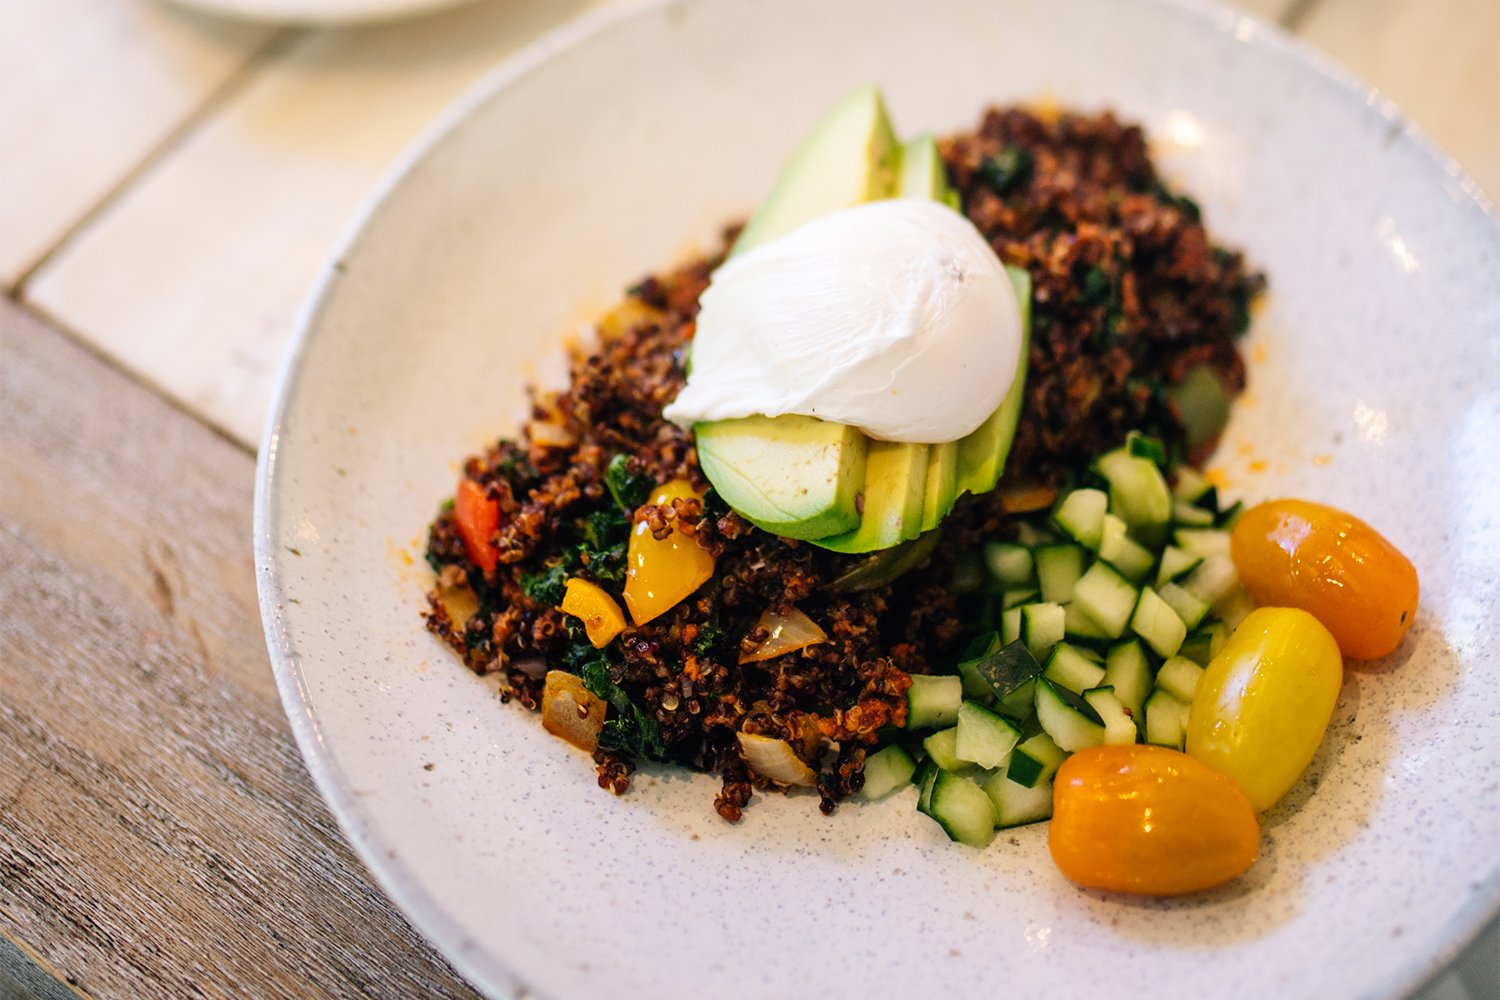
x=611, y=149
x=319, y=11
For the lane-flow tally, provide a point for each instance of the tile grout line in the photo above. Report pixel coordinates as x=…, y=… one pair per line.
x=279, y=41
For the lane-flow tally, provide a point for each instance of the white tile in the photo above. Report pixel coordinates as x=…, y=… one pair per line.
x=1439, y=60
x=88, y=88
x=193, y=277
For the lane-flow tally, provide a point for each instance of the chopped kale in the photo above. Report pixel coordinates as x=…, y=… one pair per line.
x=548, y=587
x=1007, y=168
x=631, y=731
x=627, y=483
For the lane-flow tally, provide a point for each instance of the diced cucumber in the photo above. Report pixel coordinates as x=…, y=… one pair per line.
x=1032, y=536
x=1235, y=607
x=1187, y=605
x=1008, y=563
x=1175, y=564
x=1137, y=492
x=1191, y=516
x=933, y=701
x=1166, y=720
x=1145, y=446
x=1081, y=515
x=942, y=749
x=1106, y=597
x=1118, y=726
x=923, y=779
x=963, y=809
x=1179, y=678
x=1219, y=632
x=1042, y=627
x=1190, y=484
x=1015, y=598
x=984, y=737
x=1058, y=568
x=1212, y=581
x=974, y=685
x=1020, y=703
x=1007, y=669
x=1198, y=647
x=1067, y=718
x=1072, y=670
x=1127, y=670
x=1016, y=804
x=1078, y=625
x=1156, y=622
x=1229, y=518
x=1131, y=558
x=885, y=771
x=1010, y=625
x=1089, y=653
x=1203, y=542
x=1034, y=761
x=981, y=645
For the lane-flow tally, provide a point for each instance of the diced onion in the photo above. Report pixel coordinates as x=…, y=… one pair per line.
x=570, y=711
x=550, y=435
x=787, y=634
x=774, y=759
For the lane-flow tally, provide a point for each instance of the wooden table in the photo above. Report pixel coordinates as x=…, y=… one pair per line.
x=168, y=185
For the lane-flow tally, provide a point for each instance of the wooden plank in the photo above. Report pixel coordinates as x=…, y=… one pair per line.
x=88, y=88
x=159, y=836
x=194, y=276
x=1439, y=60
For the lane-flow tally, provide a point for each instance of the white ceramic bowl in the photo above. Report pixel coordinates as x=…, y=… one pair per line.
x=610, y=150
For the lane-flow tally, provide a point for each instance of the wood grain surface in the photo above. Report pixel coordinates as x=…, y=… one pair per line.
x=159, y=836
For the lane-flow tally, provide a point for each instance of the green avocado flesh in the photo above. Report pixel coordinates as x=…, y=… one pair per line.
x=849, y=158
x=895, y=486
x=798, y=476
x=982, y=453
x=791, y=475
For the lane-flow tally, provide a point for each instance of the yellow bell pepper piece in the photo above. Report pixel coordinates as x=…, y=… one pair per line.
x=602, y=617
x=662, y=573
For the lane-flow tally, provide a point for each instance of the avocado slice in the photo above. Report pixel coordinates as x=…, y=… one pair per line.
x=982, y=453
x=850, y=157
x=791, y=475
x=942, y=483
x=895, y=486
x=923, y=173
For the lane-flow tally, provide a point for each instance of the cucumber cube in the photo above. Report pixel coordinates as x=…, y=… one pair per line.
x=1131, y=558
x=942, y=748
x=1127, y=670
x=1213, y=579
x=1068, y=719
x=885, y=771
x=1009, y=564
x=1106, y=597
x=1042, y=627
x=1058, y=568
x=1190, y=484
x=1081, y=515
x=1166, y=720
x=1156, y=622
x=1235, y=607
x=1175, y=564
x=1008, y=669
x=1070, y=669
x=1179, y=678
x=964, y=811
x=984, y=737
x=1078, y=625
x=1035, y=761
x=1119, y=727
x=1010, y=625
x=1203, y=542
x=1016, y=804
x=1188, y=607
x=1138, y=493
x=1015, y=598
x=1198, y=647
x=1190, y=516
x=933, y=701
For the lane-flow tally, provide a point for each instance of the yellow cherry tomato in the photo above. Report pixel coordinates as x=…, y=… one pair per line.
x=602, y=618
x=1295, y=554
x=661, y=573
x=1263, y=703
x=1146, y=819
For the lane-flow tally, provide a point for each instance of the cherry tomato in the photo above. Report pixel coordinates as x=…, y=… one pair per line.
x=1146, y=819
x=1295, y=554
x=662, y=572
x=1261, y=707
x=478, y=516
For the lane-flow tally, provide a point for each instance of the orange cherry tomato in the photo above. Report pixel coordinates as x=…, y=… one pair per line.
x=1295, y=554
x=478, y=516
x=1146, y=819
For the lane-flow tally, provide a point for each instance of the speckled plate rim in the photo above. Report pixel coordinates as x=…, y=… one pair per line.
x=318, y=12
x=491, y=975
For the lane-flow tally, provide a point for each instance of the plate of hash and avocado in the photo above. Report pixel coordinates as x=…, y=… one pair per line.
x=831, y=399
